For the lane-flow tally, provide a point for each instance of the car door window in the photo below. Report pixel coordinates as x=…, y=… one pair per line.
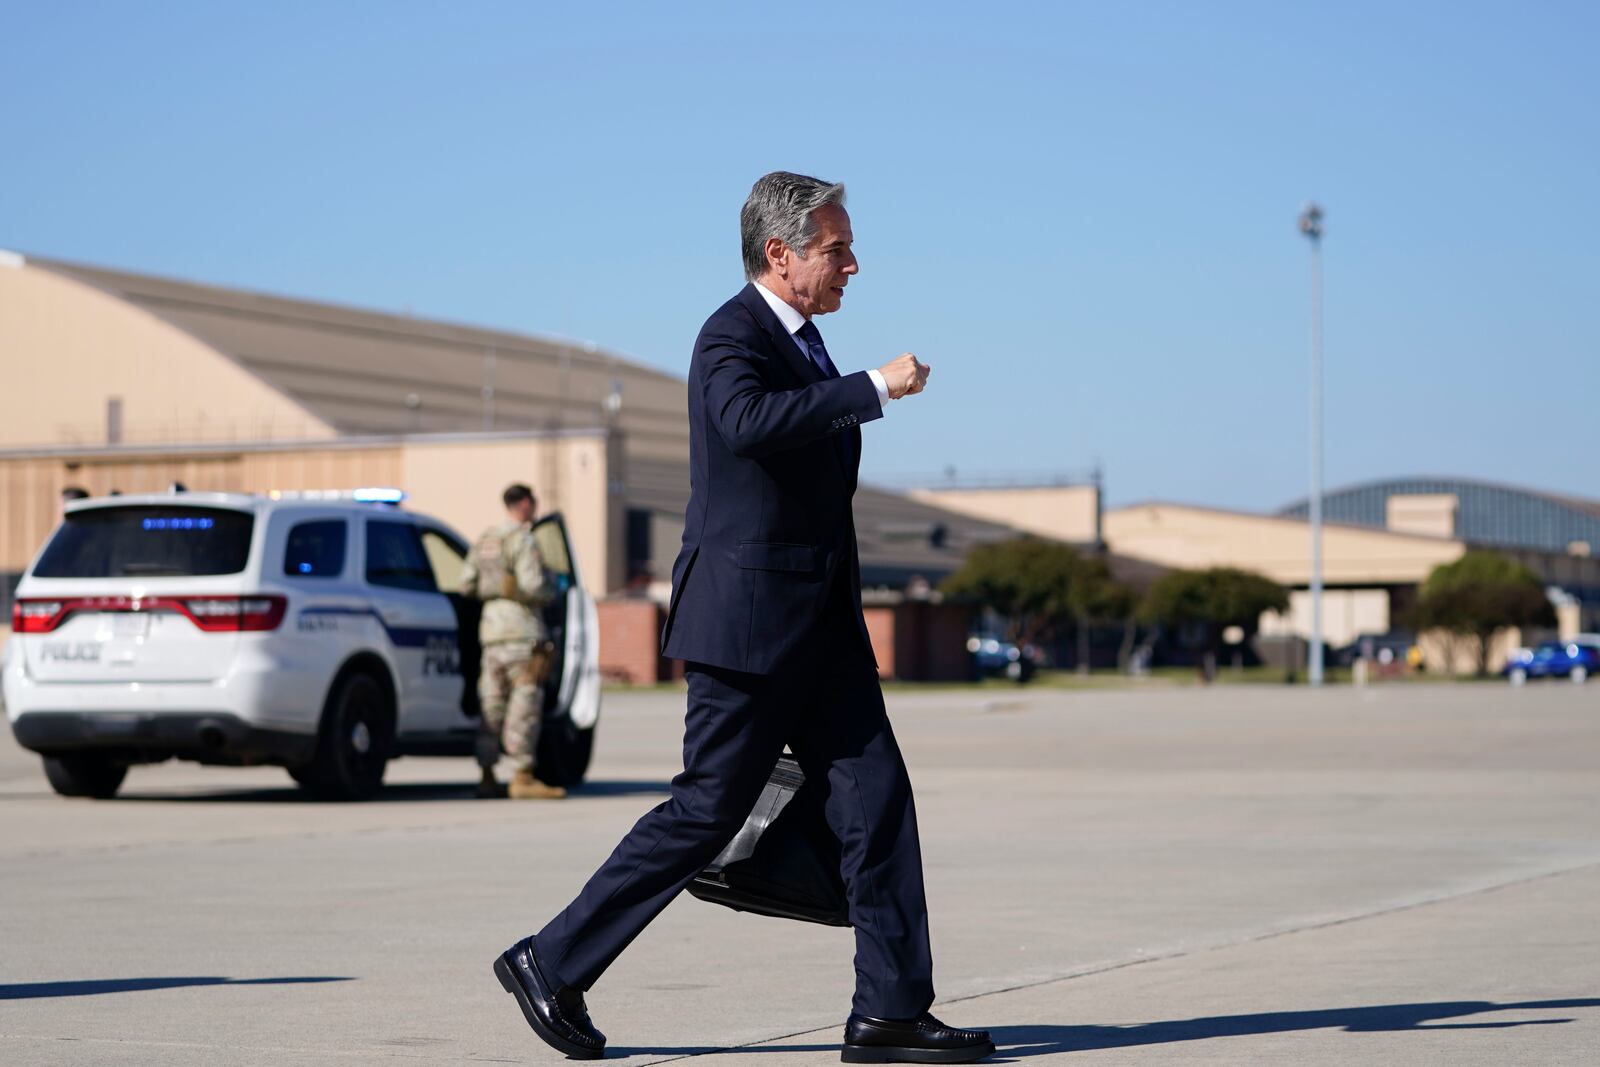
x=447, y=559
x=551, y=539
x=395, y=557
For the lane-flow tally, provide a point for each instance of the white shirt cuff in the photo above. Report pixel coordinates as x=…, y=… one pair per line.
x=881, y=386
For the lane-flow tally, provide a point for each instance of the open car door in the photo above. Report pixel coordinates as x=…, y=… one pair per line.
x=572, y=689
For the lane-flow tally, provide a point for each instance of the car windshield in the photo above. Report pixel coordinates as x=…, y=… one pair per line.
x=147, y=542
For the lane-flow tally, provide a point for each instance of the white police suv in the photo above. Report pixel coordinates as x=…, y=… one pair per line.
x=321, y=632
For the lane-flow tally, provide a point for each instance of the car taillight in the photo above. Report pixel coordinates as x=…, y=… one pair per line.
x=36, y=616
x=216, y=614
x=213, y=614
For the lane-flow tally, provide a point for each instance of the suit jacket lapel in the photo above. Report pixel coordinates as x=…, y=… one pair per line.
x=846, y=446
x=782, y=342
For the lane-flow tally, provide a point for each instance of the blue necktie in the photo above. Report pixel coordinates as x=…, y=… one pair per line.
x=809, y=334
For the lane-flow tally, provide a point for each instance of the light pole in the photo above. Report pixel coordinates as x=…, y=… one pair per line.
x=489, y=361
x=1311, y=226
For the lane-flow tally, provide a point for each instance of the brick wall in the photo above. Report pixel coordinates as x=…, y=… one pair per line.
x=918, y=641
x=914, y=641
x=630, y=634
x=881, y=630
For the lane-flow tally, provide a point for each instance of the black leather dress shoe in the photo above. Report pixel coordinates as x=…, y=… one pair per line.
x=924, y=1040
x=559, y=1017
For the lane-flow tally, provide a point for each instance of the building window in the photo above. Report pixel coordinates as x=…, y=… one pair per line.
x=640, y=556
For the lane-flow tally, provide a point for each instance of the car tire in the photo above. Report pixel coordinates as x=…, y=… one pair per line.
x=354, y=741
x=1517, y=676
x=1580, y=674
x=564, y=751
x=80, y=775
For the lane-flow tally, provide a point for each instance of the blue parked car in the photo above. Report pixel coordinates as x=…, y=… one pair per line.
x=1553, y=659
x=993, y=656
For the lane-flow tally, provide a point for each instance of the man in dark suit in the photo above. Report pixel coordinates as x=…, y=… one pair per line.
x=766, y=612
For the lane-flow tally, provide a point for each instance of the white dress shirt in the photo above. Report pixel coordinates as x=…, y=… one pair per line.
x=792, y=321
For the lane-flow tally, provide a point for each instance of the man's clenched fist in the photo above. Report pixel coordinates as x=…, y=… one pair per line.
x=904, y=375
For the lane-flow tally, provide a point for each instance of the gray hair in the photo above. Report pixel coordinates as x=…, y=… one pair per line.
x=780, y=205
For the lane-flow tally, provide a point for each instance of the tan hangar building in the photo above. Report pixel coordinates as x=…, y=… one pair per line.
x=117, y=381
x=1380, y=542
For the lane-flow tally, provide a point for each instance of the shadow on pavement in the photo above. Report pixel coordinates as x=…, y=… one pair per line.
x=1018, y=1041
x=94, y=986
x=621, y=788
x=412, y=792
x=289, y=794
x=701, y=1050
x=1013, y=1042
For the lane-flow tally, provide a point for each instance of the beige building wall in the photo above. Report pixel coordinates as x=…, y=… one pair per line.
x=1569, y=619
x=1066, y=512
x=1453, y=654
x=30, y=485
x=1346, y=615
x=1428, y=514
x=461, y=482
x=66, y=349
x=458, y=479
x=1179, y=535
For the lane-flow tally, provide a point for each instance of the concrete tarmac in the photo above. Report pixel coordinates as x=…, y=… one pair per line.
x=1408, y=874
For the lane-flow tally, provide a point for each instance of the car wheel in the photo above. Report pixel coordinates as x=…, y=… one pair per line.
x=353, y=744
x=78, y=775
x=1580, y=674
x=1517, y=676
x=564, y=751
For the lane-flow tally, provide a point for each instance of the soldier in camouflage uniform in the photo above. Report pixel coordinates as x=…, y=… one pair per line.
x=506, y=572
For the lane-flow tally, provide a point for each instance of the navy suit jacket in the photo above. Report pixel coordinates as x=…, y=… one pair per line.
x=773, y=454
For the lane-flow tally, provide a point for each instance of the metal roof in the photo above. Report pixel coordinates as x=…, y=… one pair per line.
x=1487, y=513
x=370, y=372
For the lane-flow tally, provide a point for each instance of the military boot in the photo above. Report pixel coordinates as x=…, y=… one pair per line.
x=526, y=787
x=489, y=788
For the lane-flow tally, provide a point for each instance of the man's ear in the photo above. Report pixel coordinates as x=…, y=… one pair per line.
x=777, y=255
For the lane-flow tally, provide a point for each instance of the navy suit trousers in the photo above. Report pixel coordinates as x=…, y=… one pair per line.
x=827, y=705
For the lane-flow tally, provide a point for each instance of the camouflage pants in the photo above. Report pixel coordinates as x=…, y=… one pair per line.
x=512, y=702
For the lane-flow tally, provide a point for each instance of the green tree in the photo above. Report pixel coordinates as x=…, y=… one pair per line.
x=1202, y=604
x=1479, y=594
x=1040, y=586
x=1095, y=597
x=1028, y=580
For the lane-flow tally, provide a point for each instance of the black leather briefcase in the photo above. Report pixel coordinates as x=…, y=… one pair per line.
x=784, y=861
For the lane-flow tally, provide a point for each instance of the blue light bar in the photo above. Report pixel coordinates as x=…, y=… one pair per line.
x=179, y=523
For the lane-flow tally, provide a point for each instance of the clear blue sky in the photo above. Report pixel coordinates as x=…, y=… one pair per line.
x=1082, y=215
